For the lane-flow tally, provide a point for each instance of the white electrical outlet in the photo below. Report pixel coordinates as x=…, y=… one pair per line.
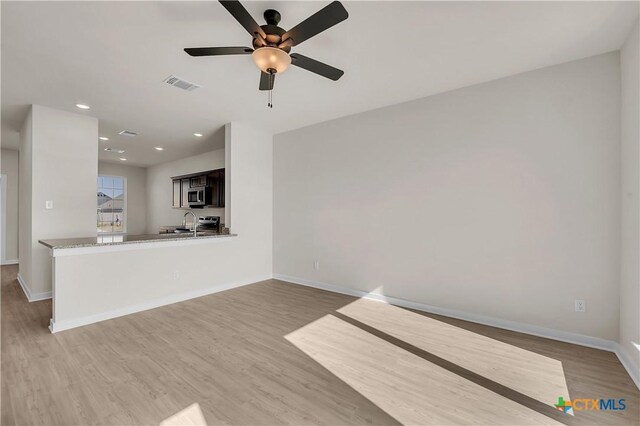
x=176, y=275
x=316, y=265
x=581, y=305
x=48, y=204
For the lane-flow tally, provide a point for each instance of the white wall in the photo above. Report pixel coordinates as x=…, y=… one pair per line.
x=10, y=167
x=25, y=185
x=500, y=199
x=160, y=190
x=61, y=165
x=630, y=154
x=136, y=193
x=251, y=190
x=83, y=296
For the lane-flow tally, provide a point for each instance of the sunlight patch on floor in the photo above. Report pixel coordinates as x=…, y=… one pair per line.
x=529, y=373
x=190, y=416
x=407, y=387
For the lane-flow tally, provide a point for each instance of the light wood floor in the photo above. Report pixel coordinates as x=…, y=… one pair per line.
x=277, y=353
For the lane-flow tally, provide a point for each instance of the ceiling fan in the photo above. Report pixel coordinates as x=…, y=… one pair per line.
x=272, y=44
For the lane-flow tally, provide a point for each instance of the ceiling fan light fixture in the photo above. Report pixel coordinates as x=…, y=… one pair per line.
x=271, y=60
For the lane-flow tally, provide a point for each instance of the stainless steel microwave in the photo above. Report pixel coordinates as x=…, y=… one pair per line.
x=199, y=197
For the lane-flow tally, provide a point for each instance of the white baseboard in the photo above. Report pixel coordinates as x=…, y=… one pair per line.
x=23, y=285
x=549, y=333
x=628, y=364
x=32, y=297
x=10, y=262
x=56, y=326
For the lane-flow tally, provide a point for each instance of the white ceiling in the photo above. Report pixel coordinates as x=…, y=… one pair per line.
x=114, y=56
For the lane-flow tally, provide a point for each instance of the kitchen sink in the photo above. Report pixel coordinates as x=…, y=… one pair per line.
x=186, y=232
x=183, y=231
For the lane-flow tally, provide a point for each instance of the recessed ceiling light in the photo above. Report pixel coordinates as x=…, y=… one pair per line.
x=123, y=159
x=198, y=135
x=83, y=106
x=159, y=148
x=103, y=138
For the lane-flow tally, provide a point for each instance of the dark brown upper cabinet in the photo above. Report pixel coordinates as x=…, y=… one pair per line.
x=216, y=180
x=176, y=199
x=213, y=180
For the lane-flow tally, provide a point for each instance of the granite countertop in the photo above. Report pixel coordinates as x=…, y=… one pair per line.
x=110, y=240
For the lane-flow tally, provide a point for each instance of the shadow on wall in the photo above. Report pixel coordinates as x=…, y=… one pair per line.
x=212, y=142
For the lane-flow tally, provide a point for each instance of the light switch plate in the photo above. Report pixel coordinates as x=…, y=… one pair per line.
x=48, y=204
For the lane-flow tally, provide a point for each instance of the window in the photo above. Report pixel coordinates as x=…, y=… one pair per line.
x=112, y=204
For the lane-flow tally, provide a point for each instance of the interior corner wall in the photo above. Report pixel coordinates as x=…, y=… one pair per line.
x=136, y=193
x=250, y=174
x=630, y=228
x=11, y=168
x=227, y=178
x=58, y=162
x=500, y=199
x=25, y=185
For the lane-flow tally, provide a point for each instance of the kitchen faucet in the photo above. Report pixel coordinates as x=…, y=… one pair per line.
x=195, y=222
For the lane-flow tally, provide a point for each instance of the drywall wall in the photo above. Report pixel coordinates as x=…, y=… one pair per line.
x=10, y=167
x=160, y=191
x=25, y=187
x=136, y=193
x=182, y=269
x=500, y=199
x=630, y=155
x=251, y=191
x=62, y=166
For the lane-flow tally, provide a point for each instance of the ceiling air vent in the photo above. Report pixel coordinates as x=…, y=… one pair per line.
x=128, y=133
x=180, y=83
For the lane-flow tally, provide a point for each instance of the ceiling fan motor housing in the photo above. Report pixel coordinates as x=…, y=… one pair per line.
x=273, y=32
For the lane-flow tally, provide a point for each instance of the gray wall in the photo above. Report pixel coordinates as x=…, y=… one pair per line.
x=10, y=168
x=136, y=193
x=500, y=199
x=630, y=279
x=25, y=186
x=58, y=162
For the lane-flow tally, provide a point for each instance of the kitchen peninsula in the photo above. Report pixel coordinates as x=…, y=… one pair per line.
x=104, y=277
x=108, y=276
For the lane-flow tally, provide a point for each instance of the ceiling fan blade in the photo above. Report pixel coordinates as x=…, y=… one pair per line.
x=322, y=20
x=316, y=66
x=267, y=81
x=237, y=10
x=216, y=51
